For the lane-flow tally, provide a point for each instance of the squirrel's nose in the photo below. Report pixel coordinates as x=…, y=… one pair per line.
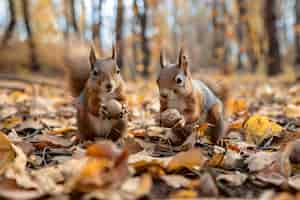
x=108, y=86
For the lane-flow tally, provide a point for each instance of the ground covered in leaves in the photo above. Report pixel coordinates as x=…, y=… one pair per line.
x=40, y=156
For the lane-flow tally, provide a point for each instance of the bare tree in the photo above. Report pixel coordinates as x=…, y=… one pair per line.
x=134, y=30
x=297, y=36
x=273, y=54
x=145, y=43
x=73, y=16
x=97, y=21
x=12, y=23
x=32, y=47
x=119, y=33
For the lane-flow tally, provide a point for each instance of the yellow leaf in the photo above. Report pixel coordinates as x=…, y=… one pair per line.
x=234, y=106
x=62, y=130
x=216, y=160
x=94, y=166
x=7, y=153
x=184, y=194
x=189, y=159
x=11, y=122
x=258, y=128
x=202, y=128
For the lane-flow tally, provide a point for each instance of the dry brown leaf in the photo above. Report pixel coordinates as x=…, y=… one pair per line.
x=7, y=153
x=189, y=159
x=176, y=181
x=10, y=190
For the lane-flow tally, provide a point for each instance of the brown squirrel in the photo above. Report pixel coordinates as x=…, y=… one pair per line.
x=195, y=102
x=100, y=100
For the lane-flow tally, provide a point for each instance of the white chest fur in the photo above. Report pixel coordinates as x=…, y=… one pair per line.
x=177, y=103
x=102, y=127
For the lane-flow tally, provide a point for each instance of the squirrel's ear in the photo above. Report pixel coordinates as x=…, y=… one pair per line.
x=161, y=59
x=183, y=60
x=114, y=52
x=92, y=57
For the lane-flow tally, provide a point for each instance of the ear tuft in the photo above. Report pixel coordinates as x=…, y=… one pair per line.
x=161, y=59
x=92, y=57
x=114, y=52
x=183, y=61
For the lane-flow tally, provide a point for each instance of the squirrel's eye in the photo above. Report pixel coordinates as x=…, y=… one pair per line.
x=118, y=71
x=179, y=80
x=95, y=73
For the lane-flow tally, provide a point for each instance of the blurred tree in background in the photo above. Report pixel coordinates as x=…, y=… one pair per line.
x=222, y=35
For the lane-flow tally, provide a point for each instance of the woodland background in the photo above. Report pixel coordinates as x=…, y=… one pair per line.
x=227, y=35
x=250, y=49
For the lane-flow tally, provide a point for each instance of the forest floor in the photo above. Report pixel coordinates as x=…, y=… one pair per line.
x=41, y=158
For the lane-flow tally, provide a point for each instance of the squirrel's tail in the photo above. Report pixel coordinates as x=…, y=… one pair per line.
x=77, y=70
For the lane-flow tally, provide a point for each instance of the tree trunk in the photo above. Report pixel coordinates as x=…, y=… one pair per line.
x=218, y=49
x=97, y=21
x=273, y=53
x=119, y=33
x=32, y=48
x=12, y=23
x=297, y=37
x=73, y=16
x=134, y=31
x=241, y=32
x=145, y=45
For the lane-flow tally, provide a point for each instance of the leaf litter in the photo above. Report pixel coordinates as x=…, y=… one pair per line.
x=41, y=156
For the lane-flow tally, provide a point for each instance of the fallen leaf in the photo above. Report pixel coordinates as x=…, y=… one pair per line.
x=189, y=159
x=7, y=153
x=176, y=181
x=258, y=128
x=10, y=190
x=234, y=106
x=292, y=111
x=184, y=194
x=261, y=160
x=233, y=179
x=138, y=186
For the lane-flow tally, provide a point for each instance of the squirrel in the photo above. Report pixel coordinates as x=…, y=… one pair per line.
x=193, y=99
x=100, y=97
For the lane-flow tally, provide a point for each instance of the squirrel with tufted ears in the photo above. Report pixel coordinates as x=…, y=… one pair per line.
x=195, y=102
x=100, y=99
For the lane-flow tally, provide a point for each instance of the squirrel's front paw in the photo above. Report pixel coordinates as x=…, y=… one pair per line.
x=123, y=112
x=104, y=111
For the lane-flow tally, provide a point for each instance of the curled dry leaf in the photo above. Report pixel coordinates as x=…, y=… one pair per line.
x=10, y=190
x=189, y=159
x=106, y=166
x=258, y=128
x=176, y=181
x=261, y=160
x=7, y=153
x=233, y=179
x=138, y=186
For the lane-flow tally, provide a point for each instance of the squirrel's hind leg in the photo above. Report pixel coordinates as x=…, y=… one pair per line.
x=216, y=119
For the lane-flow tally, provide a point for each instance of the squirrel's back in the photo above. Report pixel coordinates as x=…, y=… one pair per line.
x=209, y=97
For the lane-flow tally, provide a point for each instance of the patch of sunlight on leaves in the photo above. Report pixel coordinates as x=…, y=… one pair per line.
x=258, y=128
